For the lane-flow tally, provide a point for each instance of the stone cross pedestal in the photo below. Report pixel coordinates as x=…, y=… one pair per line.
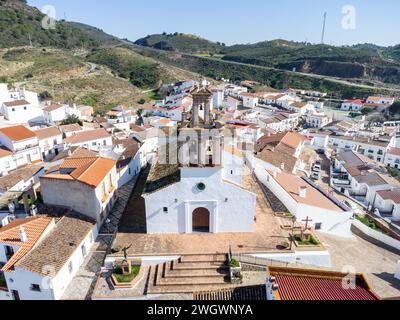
x=126, y=267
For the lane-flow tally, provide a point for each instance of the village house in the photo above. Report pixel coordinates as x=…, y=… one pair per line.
x=50, y=142
x=280, y=121
x=387, y=204
x=317, y=120
x=300, y=107
x=85, y=185
x=23, y=143
x=69, y=130
x=279, y=152
x=379, y=101
x=55, y=113
x=91, y=139
x=21, y=112
x=41, y=255
x=352, y=105
x=18, y=94
x=231, y=103
x=218, y=97
x=249, y=100
x=308, y=201
x=121, y=117
x=372, y=148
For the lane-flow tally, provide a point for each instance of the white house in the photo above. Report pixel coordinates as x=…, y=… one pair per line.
x=352, y=105
x=372, y=148
x=218, y=97
x=121, y=117
x=317, y=120
x=40, y=256
x=85, y=185
x=380, y=101
x=21, y=111
x=231, y=103
x=23, y=143
x=300, y=107
x=305, y=200
x=91, y=139
x=55, y=113
x=249, y=100
x=50, y=141
x=387, y=202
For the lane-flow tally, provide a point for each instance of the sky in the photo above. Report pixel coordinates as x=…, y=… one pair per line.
x=235, y=21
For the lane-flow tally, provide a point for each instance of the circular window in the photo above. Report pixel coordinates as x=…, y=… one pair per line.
x=201, y=186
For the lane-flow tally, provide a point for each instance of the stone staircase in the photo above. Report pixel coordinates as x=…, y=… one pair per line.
x=190, y=273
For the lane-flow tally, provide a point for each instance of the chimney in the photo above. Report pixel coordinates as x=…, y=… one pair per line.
x=282, y=166
x=303, y=192
x=275, y=174
x=22, y=234
x=69, y=152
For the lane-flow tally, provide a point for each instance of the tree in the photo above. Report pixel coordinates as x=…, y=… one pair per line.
x=72, y=119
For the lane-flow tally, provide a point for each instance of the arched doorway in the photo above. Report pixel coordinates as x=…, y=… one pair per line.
x=201, y=220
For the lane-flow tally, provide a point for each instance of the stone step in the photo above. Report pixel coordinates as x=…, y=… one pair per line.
x=204, y=258
x=161, y=276
x=171, y=272
x=198, y=265
x=186, y=289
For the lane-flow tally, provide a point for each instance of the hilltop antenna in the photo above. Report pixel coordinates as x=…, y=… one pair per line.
x=323, y=28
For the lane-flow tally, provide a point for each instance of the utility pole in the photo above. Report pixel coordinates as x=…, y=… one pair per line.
x=323, y=29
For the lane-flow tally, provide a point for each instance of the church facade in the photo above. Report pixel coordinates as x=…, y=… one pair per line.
x=202, y=193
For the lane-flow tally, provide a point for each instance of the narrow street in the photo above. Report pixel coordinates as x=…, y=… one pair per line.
x=81, y=287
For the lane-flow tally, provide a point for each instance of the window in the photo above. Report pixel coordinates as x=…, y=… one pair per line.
x=165, y=210
x=104, y=142
x=83, y=248
x=70, y=267
x=13, y=109
x=7, y=164
x=35, y=287
x=24, y=108
x=9, y=252
x=318, y=226
x=93, y=143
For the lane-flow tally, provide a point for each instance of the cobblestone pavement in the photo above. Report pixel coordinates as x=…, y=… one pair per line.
x=81, y=286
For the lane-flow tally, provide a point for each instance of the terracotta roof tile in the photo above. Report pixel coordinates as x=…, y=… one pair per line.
x=48, y=133
x=16, y=103
x=318, y=285
x=34, y=229
x=89, y=135
x=57, y=247
x=18, y=133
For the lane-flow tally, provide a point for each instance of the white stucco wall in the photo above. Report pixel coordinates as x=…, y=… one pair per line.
x=231, y=207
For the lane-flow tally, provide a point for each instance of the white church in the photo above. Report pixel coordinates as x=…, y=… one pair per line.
x=202, y=192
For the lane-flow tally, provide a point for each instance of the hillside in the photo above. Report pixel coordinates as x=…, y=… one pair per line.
x=363, y=62
x=180, y=42
x=18, y=22
x=66, y=76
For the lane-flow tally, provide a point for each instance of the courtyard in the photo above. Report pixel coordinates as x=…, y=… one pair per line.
x=267, y=236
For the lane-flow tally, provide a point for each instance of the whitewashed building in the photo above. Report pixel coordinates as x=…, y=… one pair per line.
x=23, y=143
x=40, y=256
x=305, y=200
x=50, y=141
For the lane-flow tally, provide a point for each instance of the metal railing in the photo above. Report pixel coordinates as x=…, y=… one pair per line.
x=257, y=261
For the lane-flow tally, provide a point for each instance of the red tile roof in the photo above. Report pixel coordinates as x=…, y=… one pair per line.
x=48, y=133
x=317, y=285
x=89, y=135
x=10, y=234
x=18, y=133
x=90, y=171
x=16, y=103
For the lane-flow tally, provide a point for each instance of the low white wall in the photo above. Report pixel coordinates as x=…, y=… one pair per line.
x=146, y=260
x=377, y=235
x=312, y=258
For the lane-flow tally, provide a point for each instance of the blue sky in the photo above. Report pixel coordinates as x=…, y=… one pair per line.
x=234, y=21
